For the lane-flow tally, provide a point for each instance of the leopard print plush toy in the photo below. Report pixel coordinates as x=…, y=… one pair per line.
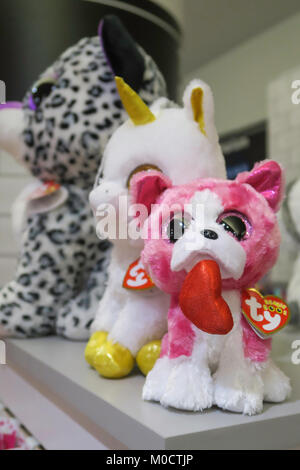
x=59, y=132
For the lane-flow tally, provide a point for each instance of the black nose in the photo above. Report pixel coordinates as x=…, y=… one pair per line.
x=210, y=234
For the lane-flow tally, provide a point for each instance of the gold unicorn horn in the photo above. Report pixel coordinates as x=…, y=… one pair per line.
x=137, y=110
x=197, y=105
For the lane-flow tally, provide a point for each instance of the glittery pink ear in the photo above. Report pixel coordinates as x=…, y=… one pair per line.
x=147, y=186
x=268, y=179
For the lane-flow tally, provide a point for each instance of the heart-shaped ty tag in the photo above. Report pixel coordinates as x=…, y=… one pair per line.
x=266, y=315
x=136, y=277
x=201, y=300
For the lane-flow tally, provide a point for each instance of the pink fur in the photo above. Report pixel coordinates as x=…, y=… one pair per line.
x=164, y=345
x=263, y=245
x=257, y=196
x=255, y=348
x=267, y=180
x=147, y=187
x=179, y=341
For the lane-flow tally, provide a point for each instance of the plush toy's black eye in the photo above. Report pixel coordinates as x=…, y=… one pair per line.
x=176, y=227
x=234, y=224
x=40, y=91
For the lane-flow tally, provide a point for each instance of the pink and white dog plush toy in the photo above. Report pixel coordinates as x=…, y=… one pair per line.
x=215, y=239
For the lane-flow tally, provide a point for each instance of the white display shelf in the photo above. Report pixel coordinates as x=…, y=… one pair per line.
x=58, y=368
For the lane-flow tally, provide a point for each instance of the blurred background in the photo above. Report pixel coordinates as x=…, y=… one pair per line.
x=248, y=51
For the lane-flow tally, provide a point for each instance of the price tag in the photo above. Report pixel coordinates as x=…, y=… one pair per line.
x=136, y=277
x=46, y=197
x=45, y=189
x=266, y=315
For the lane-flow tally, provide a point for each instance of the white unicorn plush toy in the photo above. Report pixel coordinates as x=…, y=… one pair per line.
x=183, y=144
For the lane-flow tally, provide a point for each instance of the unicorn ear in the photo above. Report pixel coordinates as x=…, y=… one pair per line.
x=199, y=104
x=147, y=186
x=267, y=178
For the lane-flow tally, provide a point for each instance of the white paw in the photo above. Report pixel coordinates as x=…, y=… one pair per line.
x=238, y=401
x=156, y=380
x=189, y=387
x=101, y=323
x=239, y=393
x=277, y=386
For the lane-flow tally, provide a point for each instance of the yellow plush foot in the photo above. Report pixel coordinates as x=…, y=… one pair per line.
x=96, y=340
x=147, y=356
x=113, y=360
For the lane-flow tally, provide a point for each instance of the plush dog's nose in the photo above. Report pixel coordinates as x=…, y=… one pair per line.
x=210, y=234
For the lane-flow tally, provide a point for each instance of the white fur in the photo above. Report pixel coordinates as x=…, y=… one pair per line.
x=238, y=385
x=172, y=142
x=132, y=319
x=175, y=144
x=147, y=317
x=277, y=387
x=208, y=107
x=183, y=382
x=186, y=382
x=157, y=379
x=192, y=247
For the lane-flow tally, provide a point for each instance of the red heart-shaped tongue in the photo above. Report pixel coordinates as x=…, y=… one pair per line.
x=201, y=301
